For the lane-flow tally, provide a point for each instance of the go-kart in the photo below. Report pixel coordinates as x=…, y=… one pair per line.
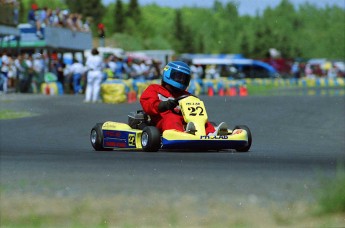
x=139, y=134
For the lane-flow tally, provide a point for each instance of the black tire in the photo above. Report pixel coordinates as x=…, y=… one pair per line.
x=96, y=137
x=151, y=139
x=249, y=143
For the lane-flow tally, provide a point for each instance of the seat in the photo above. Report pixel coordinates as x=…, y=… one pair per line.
x=138, y=120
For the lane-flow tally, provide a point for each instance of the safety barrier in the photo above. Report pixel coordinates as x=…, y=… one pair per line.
x=52, y=88
x=121, y=91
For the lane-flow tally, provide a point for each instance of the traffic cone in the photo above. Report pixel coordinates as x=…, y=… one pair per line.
x=231, y=92
x=221, y=92
x=243, y=91
x=47, y=89
x=131, y=97
x=210, y=91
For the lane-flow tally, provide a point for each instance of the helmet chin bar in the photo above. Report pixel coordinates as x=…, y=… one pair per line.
x=171, y=88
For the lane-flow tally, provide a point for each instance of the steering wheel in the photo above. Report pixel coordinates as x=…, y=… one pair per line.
x=183, y=96
x=180, y=98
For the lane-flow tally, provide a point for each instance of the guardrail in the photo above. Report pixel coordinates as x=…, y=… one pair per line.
x=120, y=91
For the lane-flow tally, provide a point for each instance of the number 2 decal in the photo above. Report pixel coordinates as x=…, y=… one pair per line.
x=196, y=111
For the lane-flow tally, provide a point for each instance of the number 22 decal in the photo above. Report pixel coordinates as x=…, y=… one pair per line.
x=131, y=140
x=196, y=111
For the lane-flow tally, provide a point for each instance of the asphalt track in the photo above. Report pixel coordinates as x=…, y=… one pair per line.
x=298, y=141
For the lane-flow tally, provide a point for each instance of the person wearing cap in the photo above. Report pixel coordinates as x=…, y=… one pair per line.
x=34, y=18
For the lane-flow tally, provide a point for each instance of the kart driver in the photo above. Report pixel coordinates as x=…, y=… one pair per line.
x=158, y=101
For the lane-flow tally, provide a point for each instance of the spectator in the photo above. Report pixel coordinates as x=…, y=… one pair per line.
x=111, y=64
x=79, y=22
x=77, y=70
x=43, y=17
x=144, y=68
x=332, y=72
x=295, y=70
x=63, y=17
x=30, y=74
x=94, y=64
x=110, y=67
x=196, y=71
x=39, y=68
x=21, y=76
x=56, y=19
x=12, y=74
x=154, y=70
x=212, y=72
x=133, y=69
x=101, y=34
x=58, y=70
x=120, y=71
x=5, y=65
x=34, y=20
x=86, y=25
x=70, y=22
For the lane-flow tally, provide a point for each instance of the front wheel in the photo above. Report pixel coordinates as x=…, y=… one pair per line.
x=249, y=142
x=96, y=138
x=150, y=139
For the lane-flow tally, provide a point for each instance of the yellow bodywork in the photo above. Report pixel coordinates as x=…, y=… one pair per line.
x=193, y=110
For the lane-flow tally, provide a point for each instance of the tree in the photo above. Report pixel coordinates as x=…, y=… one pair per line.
x=134, y=11
x=187, y=44
x=178, y=30
x=22, y=14
x=119, y=17
x=200, y=45
x=94, y=9
x=75, y=5
x=244, y=45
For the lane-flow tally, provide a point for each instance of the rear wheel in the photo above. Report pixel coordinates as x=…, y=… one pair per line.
x=249, y=142
x=96, y=138
x=150, y=139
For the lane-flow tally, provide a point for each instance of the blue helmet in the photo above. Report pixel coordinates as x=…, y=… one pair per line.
x=177, y=74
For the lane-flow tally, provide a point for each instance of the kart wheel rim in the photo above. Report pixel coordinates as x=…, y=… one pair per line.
x=93, y=136
x=144, y=139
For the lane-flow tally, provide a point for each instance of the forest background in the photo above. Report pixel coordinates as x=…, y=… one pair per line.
x=302, y=32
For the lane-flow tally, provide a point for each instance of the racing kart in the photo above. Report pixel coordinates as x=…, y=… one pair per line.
x=139, y=134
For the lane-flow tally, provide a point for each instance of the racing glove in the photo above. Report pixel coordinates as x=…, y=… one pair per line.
x=167, y=105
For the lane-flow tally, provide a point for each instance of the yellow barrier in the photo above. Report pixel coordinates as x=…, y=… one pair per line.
x=113, y=93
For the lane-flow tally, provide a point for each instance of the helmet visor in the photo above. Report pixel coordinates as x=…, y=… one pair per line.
x=180, y=77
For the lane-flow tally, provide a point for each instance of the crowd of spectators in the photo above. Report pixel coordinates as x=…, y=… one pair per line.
x=22, y=73
x=26, y=72
x=40, y=17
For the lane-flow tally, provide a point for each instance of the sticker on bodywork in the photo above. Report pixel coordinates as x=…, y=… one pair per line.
x=131, y=139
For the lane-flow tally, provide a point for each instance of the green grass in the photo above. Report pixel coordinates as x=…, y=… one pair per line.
x=261, y=90
x=153, y=210
x=331, y=197
x=8, y=114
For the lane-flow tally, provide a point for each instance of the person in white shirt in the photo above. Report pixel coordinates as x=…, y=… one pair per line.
x=77, y=70
x=5, y=63
x=196, y=71
x=94, y=64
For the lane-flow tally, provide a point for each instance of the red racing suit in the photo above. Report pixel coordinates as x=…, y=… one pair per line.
x=150, y=100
